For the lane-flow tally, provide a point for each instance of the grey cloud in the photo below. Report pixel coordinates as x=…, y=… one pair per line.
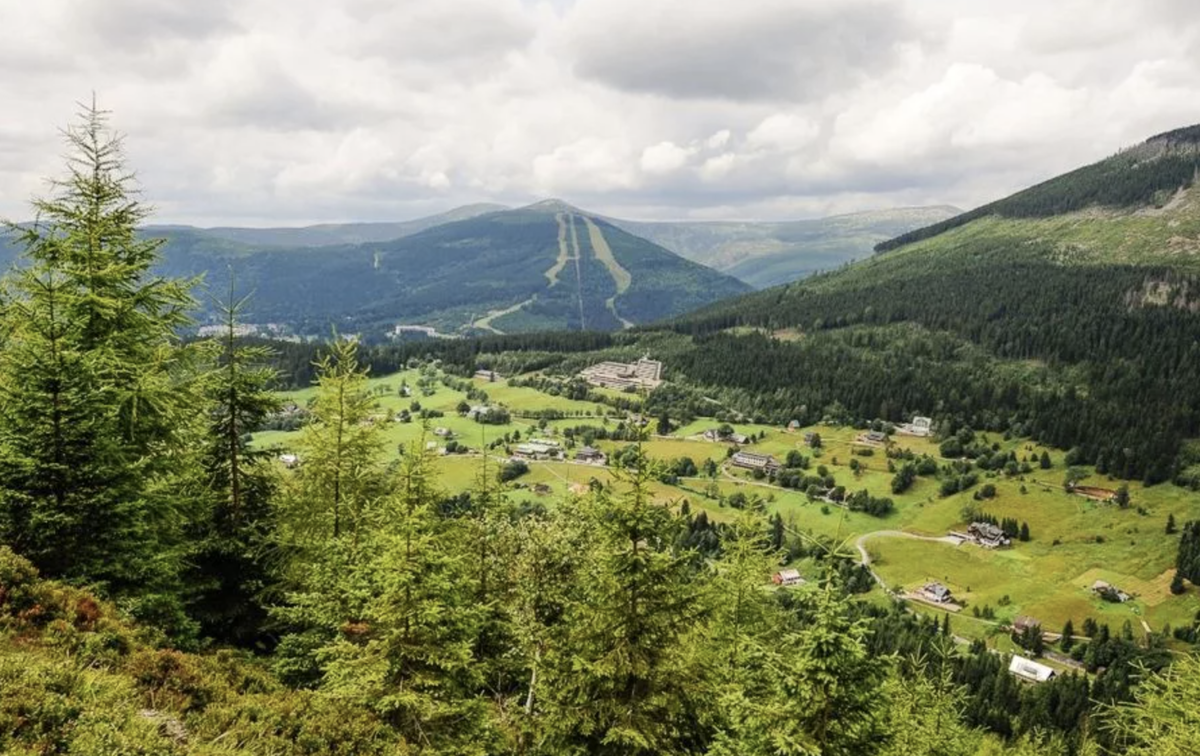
x=794, y=51
x=139, y=24
x=276, y=100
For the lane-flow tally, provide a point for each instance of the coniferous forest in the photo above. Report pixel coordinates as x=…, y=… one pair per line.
x=167, y=589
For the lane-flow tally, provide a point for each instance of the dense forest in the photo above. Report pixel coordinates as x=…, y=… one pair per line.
x=167, y=589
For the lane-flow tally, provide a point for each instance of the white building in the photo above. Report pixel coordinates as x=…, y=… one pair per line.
x=1028, y=669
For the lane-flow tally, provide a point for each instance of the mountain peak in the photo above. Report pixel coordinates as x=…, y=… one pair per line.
x=553, y=205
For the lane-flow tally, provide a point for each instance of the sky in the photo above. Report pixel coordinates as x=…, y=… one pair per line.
x=287, y=112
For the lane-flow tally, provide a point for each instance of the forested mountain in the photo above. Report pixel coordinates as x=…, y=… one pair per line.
x=327, y=234
x=1069, y=311
x=770, y=253
x=543, y=267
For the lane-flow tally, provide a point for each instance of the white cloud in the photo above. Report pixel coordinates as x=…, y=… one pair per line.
x=664, y=157
x=309, y=111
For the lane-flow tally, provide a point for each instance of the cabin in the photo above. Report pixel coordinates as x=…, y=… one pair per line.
x=739, y=439
x=988, y=535
x=876, y=437
x=921, y=426
x=787, y=577
x=1021, y=624
x=478, y=410
x=590, y=455
x=1110, y=592
x=752, y=461
x=712, y=434
x=541, y=489
x=1028, y=669
x=491, y=376
x=793, y=426
x=443, y=432
x=936, y=592
x=809, y=437
x=289, y=460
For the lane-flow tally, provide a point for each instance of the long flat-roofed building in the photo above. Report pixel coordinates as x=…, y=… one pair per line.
x=645, y=373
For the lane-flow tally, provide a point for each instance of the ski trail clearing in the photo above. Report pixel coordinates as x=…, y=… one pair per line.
x=620, y=276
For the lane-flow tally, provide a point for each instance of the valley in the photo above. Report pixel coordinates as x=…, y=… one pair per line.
x=1074, y=540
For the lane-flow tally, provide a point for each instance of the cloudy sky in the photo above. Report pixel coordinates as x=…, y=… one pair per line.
x=285, y=112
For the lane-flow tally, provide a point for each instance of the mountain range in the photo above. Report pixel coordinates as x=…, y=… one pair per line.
x=765, y=254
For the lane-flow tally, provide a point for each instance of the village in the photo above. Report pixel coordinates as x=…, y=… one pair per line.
x=735, y=461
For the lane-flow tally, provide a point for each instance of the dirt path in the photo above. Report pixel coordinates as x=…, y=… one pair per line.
x=621, y=277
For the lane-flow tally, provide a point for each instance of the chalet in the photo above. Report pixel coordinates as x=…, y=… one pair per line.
x=752, y=461
x=793, y=426
x=988, y=535
x=590, y=454
x=289, y=460
x=739, y=439
x=712, y=434
x=1110, y=592
x=921, y=426
x=443, y=432
x=1028, y=669
x=935, y=592
x=643, y=374
x=491, y=376
x=876, y=437
x=787, y=577
x=1021, y=624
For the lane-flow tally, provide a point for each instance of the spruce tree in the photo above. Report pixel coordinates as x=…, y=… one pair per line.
x=229, y=570
x=339, y=477
x=406, y=650
x=97, y=398
x=623, y=681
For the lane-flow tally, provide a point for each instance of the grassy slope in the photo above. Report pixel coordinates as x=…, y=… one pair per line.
x=1041, y=578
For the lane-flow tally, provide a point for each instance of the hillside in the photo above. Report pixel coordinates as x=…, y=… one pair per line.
x=1069, y=311
x=766, y=254
x=544, y=267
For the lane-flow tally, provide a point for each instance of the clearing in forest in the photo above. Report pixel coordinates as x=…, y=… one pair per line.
x=620, y=276
x=564, y=255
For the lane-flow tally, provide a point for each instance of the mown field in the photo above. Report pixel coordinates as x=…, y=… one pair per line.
x=1074, y=541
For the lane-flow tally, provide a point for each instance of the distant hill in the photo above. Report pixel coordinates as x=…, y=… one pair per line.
x=766, y=254
x=544, y=267
x=327, y=234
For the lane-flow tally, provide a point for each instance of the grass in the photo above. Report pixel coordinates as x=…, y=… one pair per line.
x=1074, y=542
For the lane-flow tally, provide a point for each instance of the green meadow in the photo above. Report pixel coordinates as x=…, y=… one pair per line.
x=1074, y=541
